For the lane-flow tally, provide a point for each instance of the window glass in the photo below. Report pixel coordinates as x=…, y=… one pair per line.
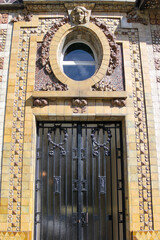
x=79, y=62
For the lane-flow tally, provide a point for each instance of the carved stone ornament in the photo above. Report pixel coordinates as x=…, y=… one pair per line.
x=79, y=15
x=158, y=79
x=119, y=102
x=22, y=17
x=114, y=52
x=103, y=86
x=40, y=102
x=156, y=48
x=136, y=16
x=157, y=63
x=79, y=102
x=46, y=43
x=54, y=87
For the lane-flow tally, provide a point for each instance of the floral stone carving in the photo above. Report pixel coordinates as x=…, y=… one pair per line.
x=54, y=87
x=103, y=86
x=46, y=43
x=114, y=52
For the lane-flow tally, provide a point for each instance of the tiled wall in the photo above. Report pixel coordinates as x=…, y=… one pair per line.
x=142, y=185
x=5, y=45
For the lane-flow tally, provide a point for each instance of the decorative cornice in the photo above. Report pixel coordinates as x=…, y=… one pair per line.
x=97, y=6
x=136, y=16
x=149, y=4
x=72, y=5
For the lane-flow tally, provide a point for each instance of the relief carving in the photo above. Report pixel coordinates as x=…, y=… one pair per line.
x=114, y=52
x=136, y=16
x=119, y=102
x=22, y=17
x=3, y=18
x=44, y=59
x=158, y=79
x=103, y=86
x=79, y=15
x=40, y=102
x=157, y=63
x=54, y=87
x=79, y=105
x=156, y=48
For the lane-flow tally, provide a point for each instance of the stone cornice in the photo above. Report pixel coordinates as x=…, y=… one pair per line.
x=54, y=6
x=97, y=6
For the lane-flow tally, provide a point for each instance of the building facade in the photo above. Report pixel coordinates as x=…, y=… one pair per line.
x=80, y=119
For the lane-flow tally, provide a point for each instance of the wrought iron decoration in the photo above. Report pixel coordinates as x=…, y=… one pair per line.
x=57, y=145
x=97, y=146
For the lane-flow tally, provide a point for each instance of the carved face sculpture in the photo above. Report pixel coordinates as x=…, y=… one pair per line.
x=79, y=15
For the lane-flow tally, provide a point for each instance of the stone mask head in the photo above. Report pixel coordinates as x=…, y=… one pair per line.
x=79, y=15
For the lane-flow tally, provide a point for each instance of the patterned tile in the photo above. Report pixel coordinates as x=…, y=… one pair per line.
x=15, y=235
x=143, y=161
x=146, y=235
x=3, y=33
x=1, y=62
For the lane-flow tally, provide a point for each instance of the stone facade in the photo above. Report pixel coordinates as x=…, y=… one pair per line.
x=125, y=88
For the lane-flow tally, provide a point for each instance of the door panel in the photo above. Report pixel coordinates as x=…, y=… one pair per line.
x=79, y=182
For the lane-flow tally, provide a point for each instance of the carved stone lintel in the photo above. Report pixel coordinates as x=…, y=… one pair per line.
x=40, y=102
x=135, y=16
x=79, y=15
x=54, y=87
x=79, y=103
x=22, y=17
x=119, y=102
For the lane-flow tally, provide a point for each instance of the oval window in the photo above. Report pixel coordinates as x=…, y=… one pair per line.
x=79, y=61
